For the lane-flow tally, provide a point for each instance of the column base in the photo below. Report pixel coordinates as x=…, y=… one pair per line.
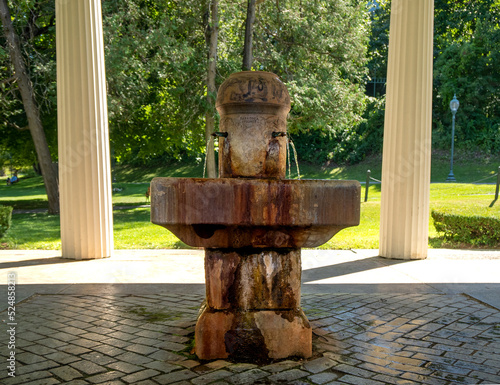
x=253, y=335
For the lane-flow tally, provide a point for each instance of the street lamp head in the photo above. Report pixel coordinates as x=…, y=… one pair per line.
x=454, y=104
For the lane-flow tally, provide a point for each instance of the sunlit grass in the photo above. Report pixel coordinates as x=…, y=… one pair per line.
x=465, y=199
x=364, y=236
x=127, y=174
x=28, y=193
x=125, y=194
x=34, y=231
x=132, y=230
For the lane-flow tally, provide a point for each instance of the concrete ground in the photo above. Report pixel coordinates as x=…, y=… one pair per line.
x=129, y=320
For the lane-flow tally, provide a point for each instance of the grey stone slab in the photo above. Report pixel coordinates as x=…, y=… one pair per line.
x=124, y=367
x=29, y=358
x=350, y=379
x=176, y=376
x=133, y=358
x=211, y=377
x=37, y=367
x=319, y=364
x=162, y=367
x=140, y=376
x=49, y=381
x=66, y=373
x=281, y=366
x=247, y=377
x=98, y=358
x=41, y=375
x=88, y=367
x=105, y=378
x=323, y=378
x=288, y=375
x=141, y=349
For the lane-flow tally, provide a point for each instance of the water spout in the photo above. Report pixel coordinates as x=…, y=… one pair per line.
x=288, y=157
x=209, y=143
x=290, y=142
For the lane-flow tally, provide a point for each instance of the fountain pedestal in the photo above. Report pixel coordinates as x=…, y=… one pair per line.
x=253, y=306
x=252, y=223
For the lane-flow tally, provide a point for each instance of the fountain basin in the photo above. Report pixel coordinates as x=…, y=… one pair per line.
x=237, y=212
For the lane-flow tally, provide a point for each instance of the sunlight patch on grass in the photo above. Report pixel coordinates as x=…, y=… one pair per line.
x=34, y=231
x=133, y=230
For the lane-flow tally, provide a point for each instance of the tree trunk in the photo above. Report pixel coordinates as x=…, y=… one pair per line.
x=31, y=109
x=212, y=35
x=247, y=49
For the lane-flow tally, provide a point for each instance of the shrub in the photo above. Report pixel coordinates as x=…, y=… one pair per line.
x=473, y=230
x=5, y=219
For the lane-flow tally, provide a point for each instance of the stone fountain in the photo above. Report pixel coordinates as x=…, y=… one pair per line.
x=252, y=223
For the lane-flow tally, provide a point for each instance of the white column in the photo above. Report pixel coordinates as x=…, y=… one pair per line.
x=404, y=217
x=83, y=138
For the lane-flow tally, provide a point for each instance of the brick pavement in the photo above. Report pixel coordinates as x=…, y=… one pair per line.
x=358, y=339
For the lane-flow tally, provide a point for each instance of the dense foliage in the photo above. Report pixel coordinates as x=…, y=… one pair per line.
x=471, y=230
x=5, y=219
x=34, y=22
x=155, y=64
x=325, y=51
x=156, y=96
x=468, y=64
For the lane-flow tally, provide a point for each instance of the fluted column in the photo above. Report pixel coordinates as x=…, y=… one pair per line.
x=404, y=218
x=84, y=161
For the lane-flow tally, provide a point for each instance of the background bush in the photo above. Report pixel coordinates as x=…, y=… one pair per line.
x=473, y=230
x=5, y=219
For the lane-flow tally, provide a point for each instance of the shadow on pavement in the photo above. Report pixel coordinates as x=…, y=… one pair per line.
x=339, y=269
x=35, y=262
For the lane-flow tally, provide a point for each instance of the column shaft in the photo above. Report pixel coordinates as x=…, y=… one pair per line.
x=84, y=161
x=404, y=218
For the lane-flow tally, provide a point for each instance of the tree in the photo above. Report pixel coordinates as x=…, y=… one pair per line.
x=159, y=93
x=156, y=70
x=379, y=40
x=212, y=33
x=318, y=48
x=31, y=109
x=467, y=63
x=247, y=47
x=158, y=96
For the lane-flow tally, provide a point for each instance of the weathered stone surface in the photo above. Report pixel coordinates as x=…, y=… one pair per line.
x=252, y=224
x=258, y=336
x=237, y=213
x=252, y=106
x=286, y=334
x=209, y=333
x=253, y=279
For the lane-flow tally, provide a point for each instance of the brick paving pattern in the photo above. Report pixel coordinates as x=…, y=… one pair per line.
x=358, y=339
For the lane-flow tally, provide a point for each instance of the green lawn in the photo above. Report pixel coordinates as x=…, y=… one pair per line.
x=133, y=229
x=466, y=199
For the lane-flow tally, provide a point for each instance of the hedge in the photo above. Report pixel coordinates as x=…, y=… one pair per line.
x=473, y=230
x=5, y=219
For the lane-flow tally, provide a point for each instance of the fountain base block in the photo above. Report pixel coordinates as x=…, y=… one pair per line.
x=253, y=279
x=254, y=335
x=252, y=311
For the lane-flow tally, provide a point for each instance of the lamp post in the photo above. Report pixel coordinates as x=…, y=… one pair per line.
x=454, y=108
